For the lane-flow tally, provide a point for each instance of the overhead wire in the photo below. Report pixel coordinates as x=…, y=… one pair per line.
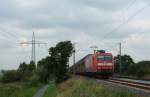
x=5, y=37
x=8, y=35
x=131, y=4
x=126, y=21
x=8, y=38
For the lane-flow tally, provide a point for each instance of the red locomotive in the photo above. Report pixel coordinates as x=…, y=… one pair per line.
x=98, y=64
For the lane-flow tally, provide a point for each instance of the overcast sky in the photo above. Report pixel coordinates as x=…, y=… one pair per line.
x=103, y=23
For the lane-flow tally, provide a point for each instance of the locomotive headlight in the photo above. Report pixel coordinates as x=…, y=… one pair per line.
x=104, y=64
x=100, y=64
x=109, y=64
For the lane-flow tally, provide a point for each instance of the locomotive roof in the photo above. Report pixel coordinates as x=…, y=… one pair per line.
x=81, y=60
x=84, y=58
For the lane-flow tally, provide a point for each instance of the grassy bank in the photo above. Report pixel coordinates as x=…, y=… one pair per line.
x=51, y=91
x=17, y=90
x=80, y=87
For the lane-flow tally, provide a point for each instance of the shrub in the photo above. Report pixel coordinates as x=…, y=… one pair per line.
x=142, y=71
x=10, y=76
x=139, y=69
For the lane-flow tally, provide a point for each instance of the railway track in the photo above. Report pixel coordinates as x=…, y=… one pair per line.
x=133, y=84
x=136, y=86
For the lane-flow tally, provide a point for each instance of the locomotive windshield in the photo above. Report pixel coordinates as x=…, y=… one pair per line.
x=104, y=58
x=108, y=58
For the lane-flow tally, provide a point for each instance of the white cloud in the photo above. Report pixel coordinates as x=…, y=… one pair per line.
x=142, y=24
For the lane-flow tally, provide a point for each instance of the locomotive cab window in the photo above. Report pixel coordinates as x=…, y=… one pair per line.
x=104, y=58
x=108, y=58
x=101, y=58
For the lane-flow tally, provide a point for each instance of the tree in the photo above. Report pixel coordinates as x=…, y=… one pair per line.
x=60, y=56
x=31, y=66
x=139, y=69
x=26, y=70
x=126, y=61
x=45, y=69
x=10, y=76
x=55, y=66
x=23, y=71
x=23, y=67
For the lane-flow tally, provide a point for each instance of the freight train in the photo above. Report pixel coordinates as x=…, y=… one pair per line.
x=99, y=64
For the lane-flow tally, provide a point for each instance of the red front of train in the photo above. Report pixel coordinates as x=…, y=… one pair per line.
x=104, y=63
x=99, y=63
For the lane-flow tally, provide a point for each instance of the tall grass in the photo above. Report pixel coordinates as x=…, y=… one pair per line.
x=17, y=90
x=86, y=88
x=51, y=91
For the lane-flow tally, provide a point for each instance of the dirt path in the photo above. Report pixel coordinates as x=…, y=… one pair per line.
x=41, y=92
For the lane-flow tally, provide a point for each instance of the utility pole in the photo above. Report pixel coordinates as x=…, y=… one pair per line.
x=33, y=43
x=74, y=58
x=120, y=52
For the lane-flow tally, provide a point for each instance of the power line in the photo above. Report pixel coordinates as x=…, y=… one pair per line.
x=112, y=47
x=127, y=20
x=9, y=33
x=5, y=37
x=127, y=8
x=131, y=4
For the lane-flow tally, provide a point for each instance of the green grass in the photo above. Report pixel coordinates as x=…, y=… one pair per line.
x=51, y=91
x=80, y=87
x=17, y=90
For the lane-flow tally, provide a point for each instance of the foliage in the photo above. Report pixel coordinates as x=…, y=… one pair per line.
x=23, y=67
x=23, y=73
x=42, y=72
x=27, y=68
x=61, y=54
x=130, y=68
x=17, y=90
x=126, y=61
x=139, y=69
x=10, y=76
x=55, y=66
x=31, y=66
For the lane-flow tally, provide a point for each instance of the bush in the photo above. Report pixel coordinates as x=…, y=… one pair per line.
x=10, y=76
x=131, y=70
x=139, y=69
x=34, y=80
x=142, y=71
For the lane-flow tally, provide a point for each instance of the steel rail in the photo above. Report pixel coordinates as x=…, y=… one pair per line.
x=131, y=84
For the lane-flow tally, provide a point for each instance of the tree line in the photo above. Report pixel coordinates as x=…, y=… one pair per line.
x=53, y=67
x=130, y=68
